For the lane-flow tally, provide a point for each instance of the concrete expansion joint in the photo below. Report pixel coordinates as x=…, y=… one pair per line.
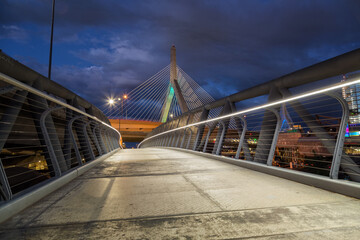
x=203, y=193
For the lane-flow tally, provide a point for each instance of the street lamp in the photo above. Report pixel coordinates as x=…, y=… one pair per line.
x=111, y=101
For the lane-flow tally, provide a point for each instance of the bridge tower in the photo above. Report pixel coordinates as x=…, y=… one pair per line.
x=174, y=88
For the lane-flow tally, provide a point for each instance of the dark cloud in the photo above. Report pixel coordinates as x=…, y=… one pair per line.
x=226, y=46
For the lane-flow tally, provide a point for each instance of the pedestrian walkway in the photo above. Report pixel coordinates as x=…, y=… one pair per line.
x=166, y=194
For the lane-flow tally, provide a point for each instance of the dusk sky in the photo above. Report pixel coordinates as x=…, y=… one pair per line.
x=111, y=46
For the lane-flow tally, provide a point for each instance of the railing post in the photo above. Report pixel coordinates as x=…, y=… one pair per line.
x=219, y=145
x=96, y=139
x=168, y=140
x=267, y=131
x=204, y=115
x=76, y=148
x=242, y=135
x=336, y=161
x=97, y=131
x=178, y=139
x=224, y=126
x=188, y=143
x=183, y=139
x=56, y=156
x=87, y=141
x=275, y=137
x=207, y=140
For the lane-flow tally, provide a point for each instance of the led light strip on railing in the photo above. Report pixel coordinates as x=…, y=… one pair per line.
x=26, y=87
x=300, y=96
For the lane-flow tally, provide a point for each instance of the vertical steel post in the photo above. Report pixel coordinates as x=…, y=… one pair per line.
x=275, y=137
x=338, y=151
x=222, y=128
x=241, y=135
x=207, y=140
x=75, y=146
x=100, y=139
x=183, y=139
x=200, y=131
x=219, y=145
x=57, y=158
x=188, y=143
x=87, y=141
x=96, y=139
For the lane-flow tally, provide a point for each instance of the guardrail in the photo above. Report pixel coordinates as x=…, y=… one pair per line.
x=310, y=132
x=44, y=137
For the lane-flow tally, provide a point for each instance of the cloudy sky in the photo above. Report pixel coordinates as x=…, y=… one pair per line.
x=111, y=46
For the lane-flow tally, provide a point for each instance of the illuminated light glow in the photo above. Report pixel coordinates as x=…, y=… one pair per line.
x=111, y=101
x=300, y=96
x=125, y=96
x=167, y=104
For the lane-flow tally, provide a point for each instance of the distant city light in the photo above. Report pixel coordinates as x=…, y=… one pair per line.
x=125, y=96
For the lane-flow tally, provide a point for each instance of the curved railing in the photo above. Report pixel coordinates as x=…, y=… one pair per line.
x=315, y=133
x=45, y=137
x=307, y=132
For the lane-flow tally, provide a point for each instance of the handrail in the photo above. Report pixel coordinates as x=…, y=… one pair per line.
x=28, y=88
x=263, y=106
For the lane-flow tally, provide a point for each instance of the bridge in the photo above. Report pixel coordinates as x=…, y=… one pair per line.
x=163, y=96
x=284, y=169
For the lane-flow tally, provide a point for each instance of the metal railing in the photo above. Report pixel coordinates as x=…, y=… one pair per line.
x=44, y=136
x=309, y=132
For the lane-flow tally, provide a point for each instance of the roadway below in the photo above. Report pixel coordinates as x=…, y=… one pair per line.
x=166, y=194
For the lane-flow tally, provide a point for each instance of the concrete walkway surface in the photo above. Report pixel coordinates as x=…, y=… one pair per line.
x=166, y=194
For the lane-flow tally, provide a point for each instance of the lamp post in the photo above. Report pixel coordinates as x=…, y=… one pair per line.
x=51, y=37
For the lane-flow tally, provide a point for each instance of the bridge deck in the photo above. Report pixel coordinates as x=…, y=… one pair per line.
x=156, y=193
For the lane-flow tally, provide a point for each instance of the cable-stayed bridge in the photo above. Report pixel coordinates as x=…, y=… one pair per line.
x=219, y=170
x=162, y=97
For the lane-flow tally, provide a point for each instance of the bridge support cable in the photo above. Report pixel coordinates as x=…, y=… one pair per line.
x=164, y=96
x=147, y=91
x=42, y=136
